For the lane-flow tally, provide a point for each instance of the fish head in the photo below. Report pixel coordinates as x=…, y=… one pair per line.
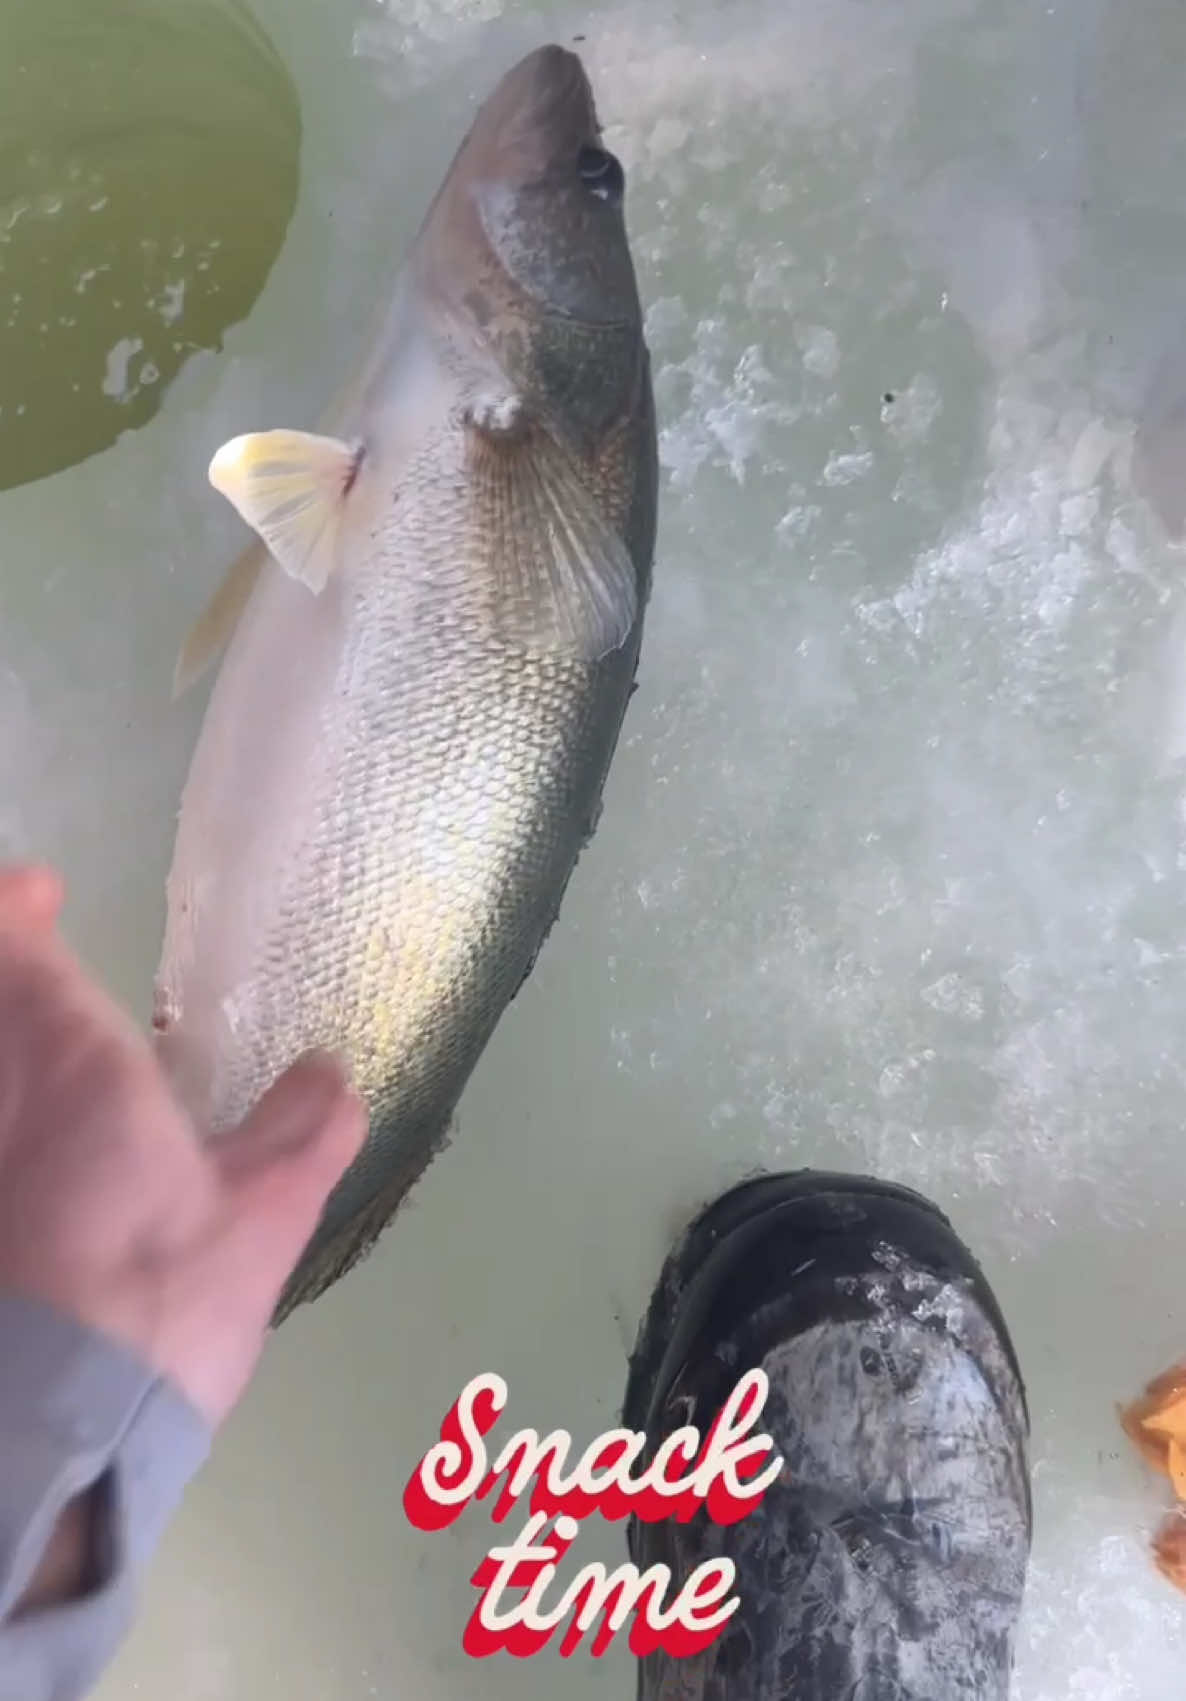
x=525, y=246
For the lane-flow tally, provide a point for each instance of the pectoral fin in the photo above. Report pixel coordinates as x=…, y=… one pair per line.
x=562, y=578
x=291, y=488
x=212, y=631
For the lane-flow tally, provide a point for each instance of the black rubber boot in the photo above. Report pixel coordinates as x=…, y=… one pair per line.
x=888, y=1561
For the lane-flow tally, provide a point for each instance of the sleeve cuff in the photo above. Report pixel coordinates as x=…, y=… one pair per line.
x=77, y=1408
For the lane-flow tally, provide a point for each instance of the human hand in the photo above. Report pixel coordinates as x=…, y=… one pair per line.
x=111, y=1207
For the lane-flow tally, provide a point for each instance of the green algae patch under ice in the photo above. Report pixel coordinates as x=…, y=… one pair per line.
x=149, y=165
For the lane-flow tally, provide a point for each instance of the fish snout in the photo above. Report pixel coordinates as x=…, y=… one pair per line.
x=548, y=92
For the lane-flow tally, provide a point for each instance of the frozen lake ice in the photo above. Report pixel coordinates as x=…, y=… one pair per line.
x=891, y=871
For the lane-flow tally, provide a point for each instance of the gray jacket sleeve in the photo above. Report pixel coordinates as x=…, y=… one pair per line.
x=77, y=1409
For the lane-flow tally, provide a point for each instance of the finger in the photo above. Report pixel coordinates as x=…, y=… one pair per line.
x=30, y=897
x=290, y=1114
x=274, y=1204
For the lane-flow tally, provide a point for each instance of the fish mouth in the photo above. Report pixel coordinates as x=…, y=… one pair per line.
x=546, y=95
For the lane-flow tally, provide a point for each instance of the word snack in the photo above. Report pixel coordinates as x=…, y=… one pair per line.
x=722, y=1473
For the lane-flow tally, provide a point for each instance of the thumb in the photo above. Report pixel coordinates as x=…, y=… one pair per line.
x=281, y=1164
x=30, y=897
x=290, y=1117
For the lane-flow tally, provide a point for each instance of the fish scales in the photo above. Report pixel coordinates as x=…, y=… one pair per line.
x=397, y=772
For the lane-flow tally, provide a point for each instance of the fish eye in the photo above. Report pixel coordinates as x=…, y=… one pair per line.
x=601, y=174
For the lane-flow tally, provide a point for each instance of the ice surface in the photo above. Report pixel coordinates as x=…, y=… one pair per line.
x=892, y=864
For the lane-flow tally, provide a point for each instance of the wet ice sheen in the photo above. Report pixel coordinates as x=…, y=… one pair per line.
x=891, y=868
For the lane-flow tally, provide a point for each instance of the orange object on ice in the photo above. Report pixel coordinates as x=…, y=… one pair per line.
x=1156, y=1424
x=1169, y=1549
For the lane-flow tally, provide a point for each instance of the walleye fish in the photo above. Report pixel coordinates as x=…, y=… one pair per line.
x=405, y=748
